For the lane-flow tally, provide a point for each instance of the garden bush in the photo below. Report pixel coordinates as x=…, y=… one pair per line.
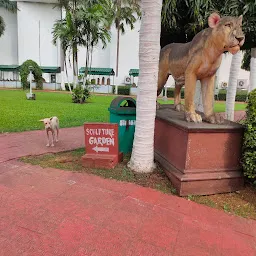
x=37, y=72
x=123, y=90
x=249, y=143
x=241, y=95
x=80, y=94
x=170, y=93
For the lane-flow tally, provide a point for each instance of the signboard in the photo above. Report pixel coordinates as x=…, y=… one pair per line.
x=242, y=84
x=101, y=138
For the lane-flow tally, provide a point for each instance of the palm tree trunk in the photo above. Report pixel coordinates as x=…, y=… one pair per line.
x=86, y=64
x=253, y=70
x=117, y=50
x=65, y=64
x=198, y=94
x=232, y=85
x=142, y=159
x=62, y=73
x=75, y=66
x=198, y=97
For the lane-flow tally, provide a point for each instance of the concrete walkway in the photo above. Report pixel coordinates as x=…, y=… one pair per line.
x=45, y=211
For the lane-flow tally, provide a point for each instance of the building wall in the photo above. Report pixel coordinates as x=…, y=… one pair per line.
x=35, y=24
x=128, y=51
x=9, y=41
x=21, y=42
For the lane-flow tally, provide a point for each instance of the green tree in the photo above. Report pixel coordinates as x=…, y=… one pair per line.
x=182, y=20
x=86, y=23
x=67, y=31
x=248, y=10
x=122, y=12
x=69, y=25
x=10, y=6
x=94, y=28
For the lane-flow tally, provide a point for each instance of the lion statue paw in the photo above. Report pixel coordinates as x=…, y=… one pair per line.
x=193, y=117
x=179, y=107
x=214, y=119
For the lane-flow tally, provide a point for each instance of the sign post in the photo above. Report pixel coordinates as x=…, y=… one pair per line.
x=101, y=144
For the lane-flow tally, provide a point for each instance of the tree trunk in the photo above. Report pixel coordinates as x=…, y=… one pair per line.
x=198, y=94
x=142, y=159
x=117, y=50
x=62, y=73
x=232, y=85
x=253, y=70
x=75, y=67
x=198, y=97
x=62, y=60
x=65, y=64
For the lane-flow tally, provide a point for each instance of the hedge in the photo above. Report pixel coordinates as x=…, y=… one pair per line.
x=240, y=95
x=37, y=72
x=122, y=90
x=249, y=143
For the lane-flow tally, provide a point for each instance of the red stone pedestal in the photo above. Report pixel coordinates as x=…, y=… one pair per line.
x=101, y=145
x=101, y=161
x=199, y=159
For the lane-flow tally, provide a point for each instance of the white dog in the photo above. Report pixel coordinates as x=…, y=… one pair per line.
x=51, y=124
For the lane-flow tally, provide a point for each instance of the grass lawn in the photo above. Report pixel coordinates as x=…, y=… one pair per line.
x=19, y=114
x=241, y=203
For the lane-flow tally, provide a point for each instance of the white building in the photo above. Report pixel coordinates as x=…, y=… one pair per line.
x=28, y=35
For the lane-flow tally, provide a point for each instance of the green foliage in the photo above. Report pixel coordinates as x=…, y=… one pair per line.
x=241, y=95
x=80, y=94
x=37, y=72
x=249, y=143
x=170, y=93
x=2, y=26
x=246, y=60
x=123, y=90
x=9, y=6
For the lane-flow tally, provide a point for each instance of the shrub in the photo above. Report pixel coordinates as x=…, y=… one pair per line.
x=80, y=95
x=170, y=93
x=249, y=143
x=240, y=95
x=37, y=72
x=123, y=90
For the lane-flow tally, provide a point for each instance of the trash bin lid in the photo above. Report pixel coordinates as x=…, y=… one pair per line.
x=123, y=105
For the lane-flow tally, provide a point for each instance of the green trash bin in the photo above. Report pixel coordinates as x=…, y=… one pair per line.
x=123, y=112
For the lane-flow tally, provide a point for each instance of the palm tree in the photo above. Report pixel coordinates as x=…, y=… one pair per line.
x=10, y=6
x=248, y=10
x=123, y=12
x=142, y=159
x=70, y=25
x=94, y=28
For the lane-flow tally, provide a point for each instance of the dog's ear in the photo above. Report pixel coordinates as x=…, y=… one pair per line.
x=42, y=120
x=51, y=118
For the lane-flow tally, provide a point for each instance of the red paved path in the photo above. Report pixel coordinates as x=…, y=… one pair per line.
x=14, y=145
x=54, y=212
